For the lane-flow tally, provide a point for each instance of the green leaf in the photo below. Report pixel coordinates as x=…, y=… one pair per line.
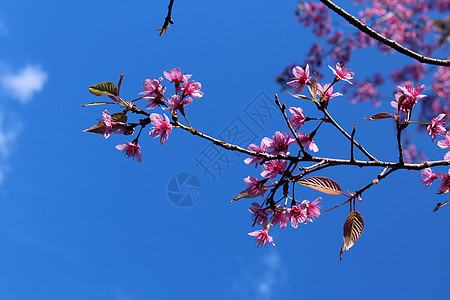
x=353, y=228
x=97, y=103
x=322, y=184
x=105, y=88
x=99, y=128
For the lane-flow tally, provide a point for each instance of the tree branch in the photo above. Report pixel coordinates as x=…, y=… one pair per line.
x=168, y=20
x=375, y=35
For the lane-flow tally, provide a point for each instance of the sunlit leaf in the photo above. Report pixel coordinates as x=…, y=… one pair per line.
x=353, y=228
x=105, y=88
x=380, y=116
x=322, y=184
x=97, y=103
x=248, y=194
x=300, y=96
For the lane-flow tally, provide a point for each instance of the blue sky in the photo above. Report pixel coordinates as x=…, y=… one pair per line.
x=80, y=221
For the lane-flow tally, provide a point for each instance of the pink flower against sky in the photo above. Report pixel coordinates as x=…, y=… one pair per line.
x=154, y=101
x=298, y=119
x=191, y=88
x=262, y=237
x=273, y=168
x=175, y=102
x=176, y=76
x=297, y=214
x=300, y=79
x=436, y=127
x=153, y=87
x=280, y=217
x=444, y=144
x=312, y=208
x=260, y=215
x=413, y=93
x=162, y=127
x=255, y=187
x=279, y=143
x=307, y=141
x=108, y=123
x=131, y=150
x=255, y=159
x=428, y=176
x=342, y=73
x=445, y=185
x=329, y=91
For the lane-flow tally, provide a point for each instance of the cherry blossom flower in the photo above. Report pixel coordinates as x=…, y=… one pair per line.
x=428, y=177
x=255, y=159
x=445, y=185
x=444, y=144
x=280, y=217
x=255, y=188
x=297, y=214
x=262, y=237
x=154, y=101
x=312, y=209
x=162, y=127
x=413, y=93
x=406, y=103
x=279, y=143
x=260, y=215
x=447, y=156
x=300, y=79
x=273, y=168
x=176, y=76
x=436, y=127
x=153, y=87
x=298, y=119
x=175, y=102
x=131, y=150
x=329, y=92
x=110, y=125
x=191, y=88
x=342, y=73
x=307, y=141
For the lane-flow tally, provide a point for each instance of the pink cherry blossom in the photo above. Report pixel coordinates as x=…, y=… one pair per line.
x=342, y=73
x=428, y=177
x=329, y=92
x=273, y=168
x=280, y=217
x=176, y=76
x=447, y=156
x=260, y=215
x=153, y=87
x=312, y=209
x=413, y=93
x=279, y=143
x=300, y=79
x=255, y=188
x=445, y=185
x=255, y=159
x=131, y=150
x=110, y=125
x=154, y=101
x=191, y=88
x=444, y=144
x=175, y=102
x=307, y=141
x=162, y=127
x=262, y=237
x=297, y=214
x=436, y=127
x=298, y=119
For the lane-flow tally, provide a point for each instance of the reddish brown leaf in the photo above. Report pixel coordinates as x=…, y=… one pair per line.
x=353, y=228
x=380, y=116
x=322, y=184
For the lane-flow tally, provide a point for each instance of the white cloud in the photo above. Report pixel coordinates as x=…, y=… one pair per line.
x=3, y=28
x=261, y=279
x=23, y=84
x=10, y=127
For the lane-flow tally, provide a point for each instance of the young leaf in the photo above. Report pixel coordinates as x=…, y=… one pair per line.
x=322, y=184
x=353, y=228
x=105, y=88
x=99, y=128
x=248, y=194
x=380, y=116
x=97, y=103
x=300, y=96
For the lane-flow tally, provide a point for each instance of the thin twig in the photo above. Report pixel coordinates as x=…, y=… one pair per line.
x=375, y=35
x=332, y=121
x=352, y=142
x=168, y=20
x=283, y=111
x=439, y=205
x=382, y=175
x=399, y=139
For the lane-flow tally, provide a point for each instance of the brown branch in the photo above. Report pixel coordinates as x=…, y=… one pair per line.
x=375, y=35
x=399, y=137
x=382, y=175
x=352, y=140
x=332, y=121
x=168, y=20
x=439, y=205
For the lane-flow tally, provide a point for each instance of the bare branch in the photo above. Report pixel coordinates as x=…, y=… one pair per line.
x=439, y=205
x=168, y=20
x=375, y=35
